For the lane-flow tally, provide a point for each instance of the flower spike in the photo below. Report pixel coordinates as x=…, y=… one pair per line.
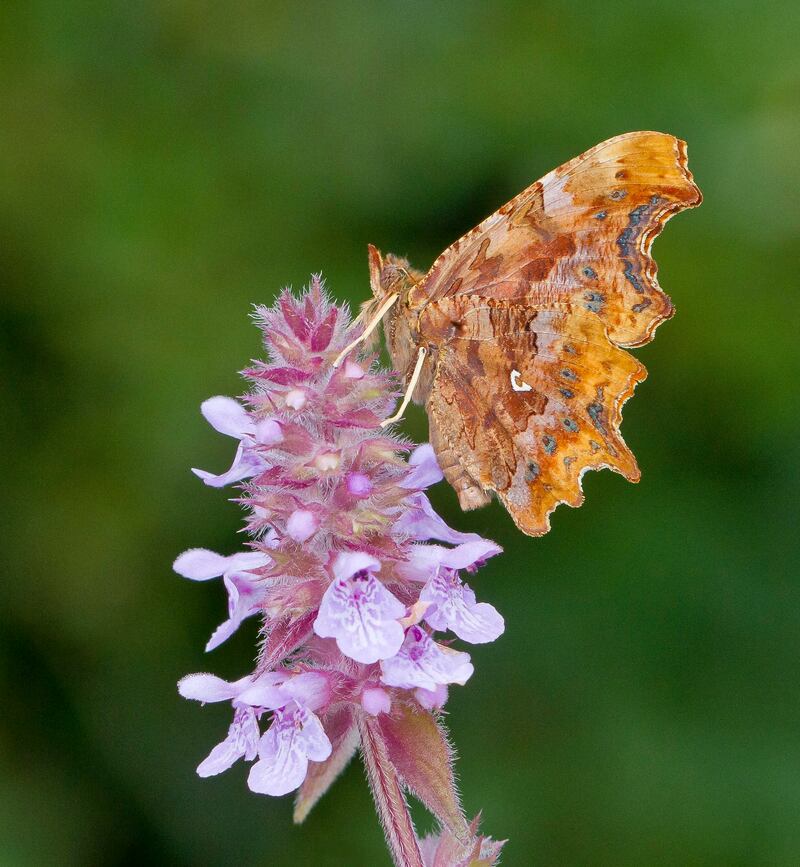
x=356, y=579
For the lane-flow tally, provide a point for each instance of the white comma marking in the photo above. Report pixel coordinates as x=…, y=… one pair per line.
x=517, y=384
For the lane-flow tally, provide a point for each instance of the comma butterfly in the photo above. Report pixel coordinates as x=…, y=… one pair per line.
x=512, y=340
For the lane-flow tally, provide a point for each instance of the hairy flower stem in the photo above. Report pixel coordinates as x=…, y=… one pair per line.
x=387, y=792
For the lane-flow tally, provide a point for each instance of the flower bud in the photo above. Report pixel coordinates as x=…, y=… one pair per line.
x=359, y=485
x=375, y=700
x=327, y=462
x=302, y=525
x=296, y=398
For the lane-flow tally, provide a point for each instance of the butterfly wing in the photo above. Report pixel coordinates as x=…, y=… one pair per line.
x=528, y=311
x=524, y=402
x=582, y=234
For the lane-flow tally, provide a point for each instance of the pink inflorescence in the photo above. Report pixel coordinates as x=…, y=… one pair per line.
x=356, y=579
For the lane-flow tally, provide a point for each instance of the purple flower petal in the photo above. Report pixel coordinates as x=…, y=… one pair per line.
x=348, y=563
x=359, y=484
x=295, y=736
x=246, y=463
x=244, y=591
x=208, y=687
x=268, y=432
x=244, y=600
x=425, y=470
x=432, y=699
x=420, y=522
x=223, y=632
x=310, y=690
x=200, y=564
x=241, y=742
x=453, y=606
x=424, y=663
x=227, y=416
x=359, y=612
x=265, y=691
x=425, y=560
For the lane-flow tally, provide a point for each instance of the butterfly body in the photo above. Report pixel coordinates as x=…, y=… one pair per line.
x=523, y=321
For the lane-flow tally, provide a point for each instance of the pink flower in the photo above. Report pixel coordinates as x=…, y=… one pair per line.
x=290, y=698
x=421, y=662
x=295, y=737
x=229, y=417
x=243, y=734
x=359, y=612
x=245, y=593
x=453, y=606
x=420, y=522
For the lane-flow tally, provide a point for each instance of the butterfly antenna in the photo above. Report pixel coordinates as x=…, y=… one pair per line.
x=412, y=384
x=373, y=324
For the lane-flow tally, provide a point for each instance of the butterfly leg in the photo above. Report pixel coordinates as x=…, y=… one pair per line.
x=368, y=330
x=412, y=384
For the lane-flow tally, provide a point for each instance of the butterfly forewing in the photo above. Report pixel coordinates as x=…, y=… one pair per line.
x=582, y=234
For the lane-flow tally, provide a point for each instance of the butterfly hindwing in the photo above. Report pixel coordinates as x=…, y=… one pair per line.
x=524, y=402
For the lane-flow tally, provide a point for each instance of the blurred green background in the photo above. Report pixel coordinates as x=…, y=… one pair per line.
x=165, y=165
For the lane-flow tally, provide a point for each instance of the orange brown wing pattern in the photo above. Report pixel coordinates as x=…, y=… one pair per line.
x=581, y=234
x=530, y=443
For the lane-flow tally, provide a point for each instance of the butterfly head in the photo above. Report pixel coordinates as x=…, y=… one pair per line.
x=389, y=276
